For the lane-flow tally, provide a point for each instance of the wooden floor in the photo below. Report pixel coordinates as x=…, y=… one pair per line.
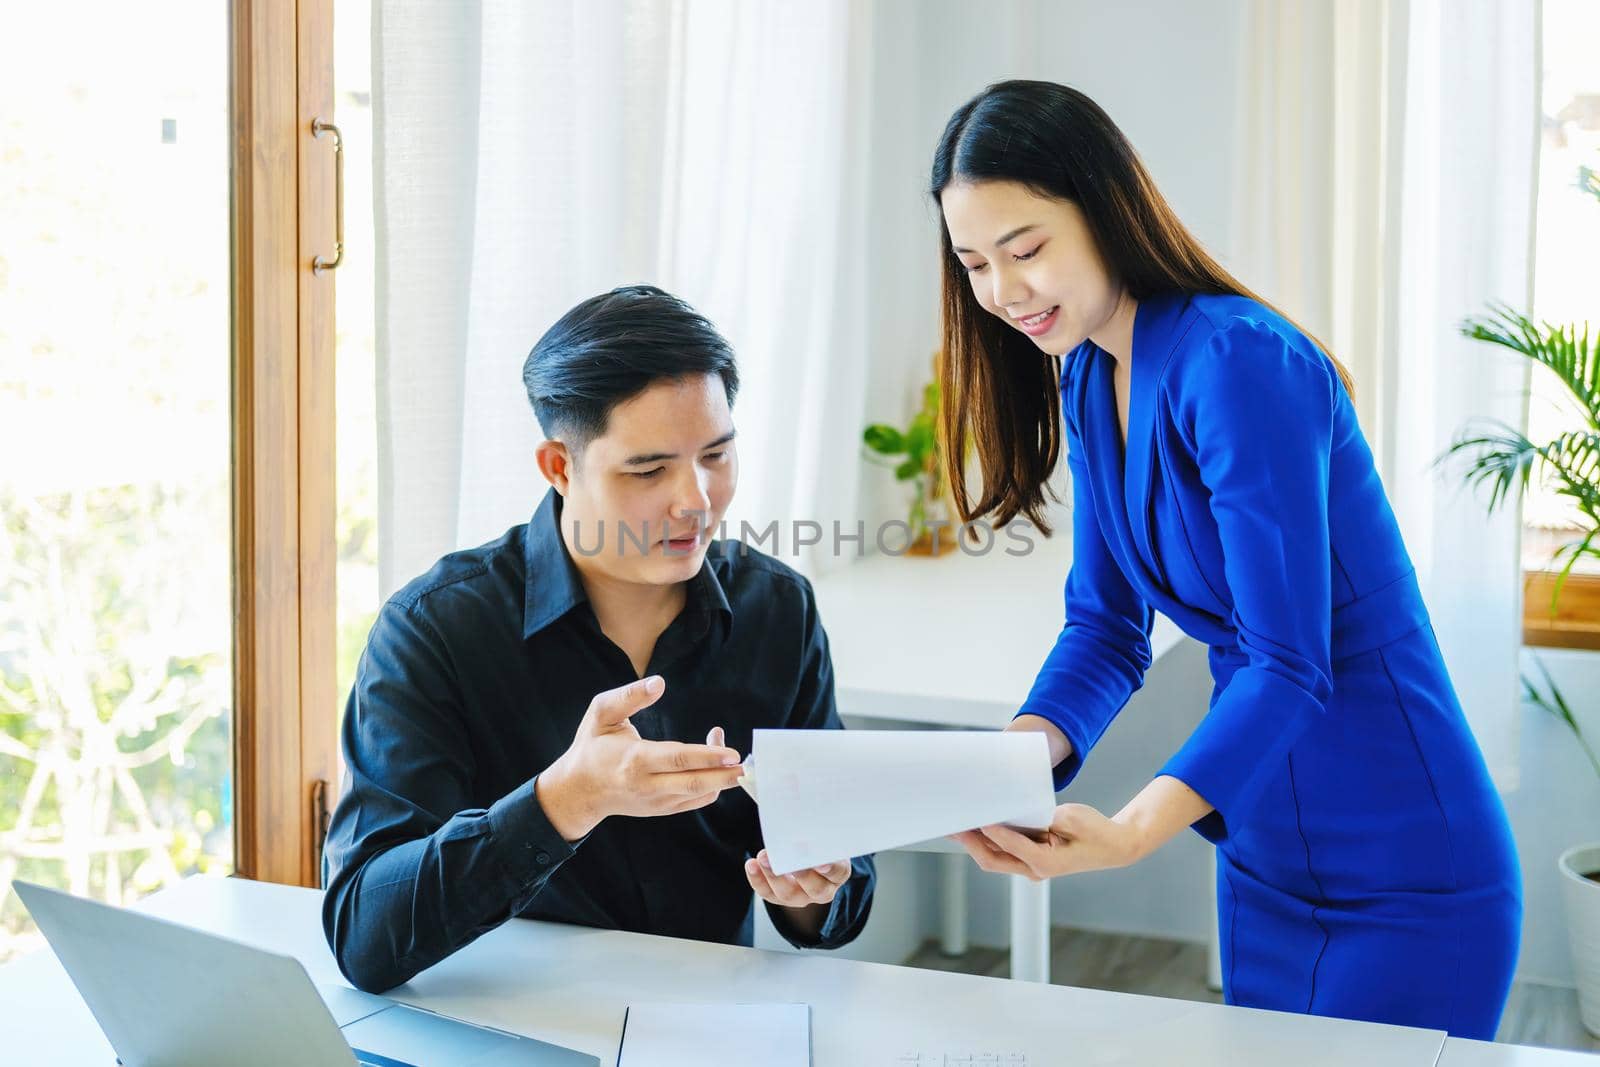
x=1536, y=1014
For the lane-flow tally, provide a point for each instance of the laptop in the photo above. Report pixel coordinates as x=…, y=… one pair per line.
x=170, y=995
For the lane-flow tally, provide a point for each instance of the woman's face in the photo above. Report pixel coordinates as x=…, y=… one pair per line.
x=1031, y=261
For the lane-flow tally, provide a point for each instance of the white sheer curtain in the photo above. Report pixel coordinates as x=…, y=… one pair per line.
x=1390, y=161
x=529, y=155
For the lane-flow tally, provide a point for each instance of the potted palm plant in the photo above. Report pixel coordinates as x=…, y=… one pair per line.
x=1505, y=459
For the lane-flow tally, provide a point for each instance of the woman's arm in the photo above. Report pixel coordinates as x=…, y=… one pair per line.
x=1082, y=839
x=1060, y=746
x=1101, y=655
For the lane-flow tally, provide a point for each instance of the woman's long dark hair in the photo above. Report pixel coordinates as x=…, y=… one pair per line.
x=997, y=392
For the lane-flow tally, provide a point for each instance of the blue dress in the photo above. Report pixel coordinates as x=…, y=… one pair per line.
x=1365, y=866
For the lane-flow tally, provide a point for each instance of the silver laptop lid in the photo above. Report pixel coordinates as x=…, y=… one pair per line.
x=168, y=995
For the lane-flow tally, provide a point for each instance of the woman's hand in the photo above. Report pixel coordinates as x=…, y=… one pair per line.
x=1079, y=839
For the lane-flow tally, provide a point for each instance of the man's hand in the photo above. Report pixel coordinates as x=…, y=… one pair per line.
x=807, y=893
x=610, y=770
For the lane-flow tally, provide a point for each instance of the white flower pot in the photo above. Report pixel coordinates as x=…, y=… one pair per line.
x=1582, y=898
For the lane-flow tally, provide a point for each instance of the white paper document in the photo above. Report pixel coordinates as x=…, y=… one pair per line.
x=827, y=795
x=693, y=1035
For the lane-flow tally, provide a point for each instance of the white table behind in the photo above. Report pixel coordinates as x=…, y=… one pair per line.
x=953, y=641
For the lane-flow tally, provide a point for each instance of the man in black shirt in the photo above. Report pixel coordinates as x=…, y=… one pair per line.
x=524, y=733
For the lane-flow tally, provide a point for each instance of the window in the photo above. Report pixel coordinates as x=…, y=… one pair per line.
x=116, y=651
x=166, y=504
x=1566, y=290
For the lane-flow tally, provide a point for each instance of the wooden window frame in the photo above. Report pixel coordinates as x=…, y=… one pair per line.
x=1576, y=621
x=285, y=704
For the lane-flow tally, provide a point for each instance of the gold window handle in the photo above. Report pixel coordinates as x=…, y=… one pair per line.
x=318, y=128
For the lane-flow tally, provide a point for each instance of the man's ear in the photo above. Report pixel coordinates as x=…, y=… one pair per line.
x=555, y=463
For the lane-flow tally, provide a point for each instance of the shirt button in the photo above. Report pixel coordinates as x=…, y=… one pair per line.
x=542, y=857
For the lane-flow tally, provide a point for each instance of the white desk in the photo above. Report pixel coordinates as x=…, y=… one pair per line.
x=570, y=985
x=956, y=642
x=1459, y=1052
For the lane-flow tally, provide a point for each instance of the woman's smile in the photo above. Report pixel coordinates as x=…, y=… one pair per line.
x=1042, y=323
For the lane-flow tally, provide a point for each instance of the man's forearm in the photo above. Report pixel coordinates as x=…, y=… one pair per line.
x=569, y=811
x=393, y=914
x=807, y=919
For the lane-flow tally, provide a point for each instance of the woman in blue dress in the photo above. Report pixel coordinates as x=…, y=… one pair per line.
x=1365, y=867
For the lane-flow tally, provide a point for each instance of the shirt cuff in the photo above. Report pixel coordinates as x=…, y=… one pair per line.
x=823, y=938
x=529, y=846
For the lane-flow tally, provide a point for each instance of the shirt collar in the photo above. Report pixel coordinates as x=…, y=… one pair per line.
x=554, y=587
x=706, y=593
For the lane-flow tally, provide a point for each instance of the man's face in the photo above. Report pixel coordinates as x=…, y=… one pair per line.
x=656, y=484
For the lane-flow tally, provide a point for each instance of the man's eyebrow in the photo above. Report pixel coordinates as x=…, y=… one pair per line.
x=1018, y=232
x=657, y=457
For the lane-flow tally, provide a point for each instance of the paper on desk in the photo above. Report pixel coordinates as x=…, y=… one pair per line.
x=827, y=795
x=691, y=1035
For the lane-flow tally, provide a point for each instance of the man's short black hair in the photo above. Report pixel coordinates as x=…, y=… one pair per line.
x=612, y=347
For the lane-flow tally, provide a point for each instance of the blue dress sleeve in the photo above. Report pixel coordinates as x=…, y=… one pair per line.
x=1100, y=658
x=1259, y=417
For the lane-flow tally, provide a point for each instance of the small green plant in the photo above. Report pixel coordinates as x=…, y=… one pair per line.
x=913, y=453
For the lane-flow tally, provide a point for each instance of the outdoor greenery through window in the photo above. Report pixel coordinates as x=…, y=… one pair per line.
x=115, y=538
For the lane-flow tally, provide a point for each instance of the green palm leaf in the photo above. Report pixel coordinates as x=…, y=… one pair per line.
x=1505, y=459
x=1568, y=351
x=1575, y=459
x=1556, y=704
x=1502, y=457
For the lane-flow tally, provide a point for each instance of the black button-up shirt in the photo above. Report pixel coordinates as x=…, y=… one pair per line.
x=474, y=680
